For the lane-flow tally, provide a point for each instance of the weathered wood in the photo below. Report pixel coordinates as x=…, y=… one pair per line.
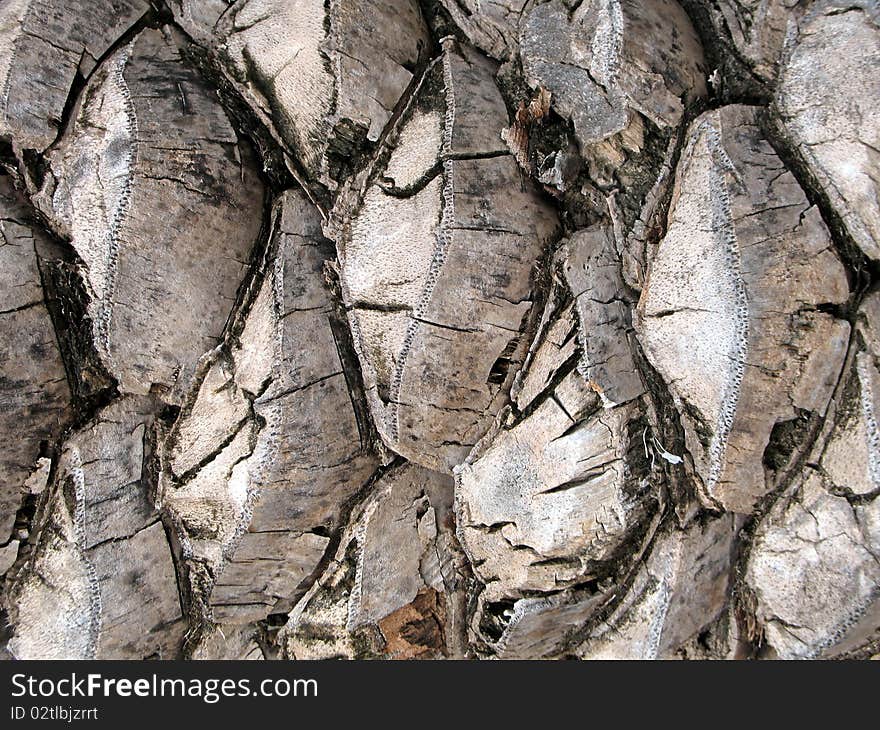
x=374, y=600
x=755, y=29
x=607, y=62
x=161, y=201
x=625, y=74
x=558, y=488
x=828, y=92
x=547, y=496
x=813, y=568
x=267, y=450
x=34, y=396
x=325, y=76
x=493, y=27
x=438, y=242
x=730, y=315
x=44, y=45
x=592, y=272
x=229, y=643
x=549, y=329
x=680, y=589
x=99, y=582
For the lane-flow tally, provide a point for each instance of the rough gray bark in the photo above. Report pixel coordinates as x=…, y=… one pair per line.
x=43, y=47
x=439, y=329
x=34, y=396
x=99, y=581
x=266, y=451
x=730, y=314
x=325, y=77
x=148, y=150
x=447, y=192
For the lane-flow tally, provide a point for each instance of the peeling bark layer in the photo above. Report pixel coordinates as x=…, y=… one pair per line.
x=99, y=582
x=493, y=27
x=625, y=75
x=161, y=202
x=755, y=30
x=34, y=396
x=438, y=242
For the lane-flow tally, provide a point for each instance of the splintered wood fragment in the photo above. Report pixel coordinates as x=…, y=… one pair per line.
x=44, y=44
x=99, y=582
x=438, y=240
x=267, y=449
x=609, y=59
x=517, y=135
x=162, y=204
x=34, y=395
x=827, y=98
x=325, y=76
x=813, y=566
x=493, y=27
x=740, y=352
x=393, y=588
x=591, y=269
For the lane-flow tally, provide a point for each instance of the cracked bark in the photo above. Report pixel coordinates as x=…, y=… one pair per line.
x=265, y=454
x=34, y=396
x=98, y=581
x=44, y=46
x=325, y=77
x=439, y=329
x=148, y=146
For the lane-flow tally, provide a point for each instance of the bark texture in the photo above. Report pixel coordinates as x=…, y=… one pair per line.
x=439, y=329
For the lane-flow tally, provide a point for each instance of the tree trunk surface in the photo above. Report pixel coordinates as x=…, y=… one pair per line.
x=439, y=329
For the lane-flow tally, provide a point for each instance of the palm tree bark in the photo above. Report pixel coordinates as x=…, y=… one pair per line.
x=439, y=329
